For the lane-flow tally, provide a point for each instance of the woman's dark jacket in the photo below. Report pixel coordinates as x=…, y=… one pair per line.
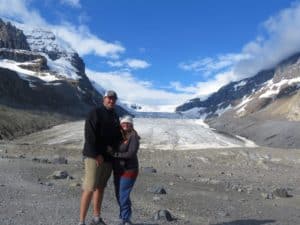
x=126, y=157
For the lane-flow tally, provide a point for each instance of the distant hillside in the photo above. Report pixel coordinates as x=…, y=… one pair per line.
x=264, y=108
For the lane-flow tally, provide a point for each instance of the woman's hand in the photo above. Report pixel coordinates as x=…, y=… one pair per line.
x=110, y=150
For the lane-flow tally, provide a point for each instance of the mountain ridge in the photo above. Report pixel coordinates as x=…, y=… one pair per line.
x=41, y=73
x=264, y=108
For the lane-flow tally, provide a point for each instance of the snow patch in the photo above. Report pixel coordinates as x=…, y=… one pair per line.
x=240, y=84
x=45, y=42
x=220, y=111
x=24, y=73
x=241, y=107
x=272, y=89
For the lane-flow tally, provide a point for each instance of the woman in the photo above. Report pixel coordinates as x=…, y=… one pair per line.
x=125, y=168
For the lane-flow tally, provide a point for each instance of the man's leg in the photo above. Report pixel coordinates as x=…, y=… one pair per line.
x=97, y=200
x=86, y=197
x=88, y=187
x=103, y=173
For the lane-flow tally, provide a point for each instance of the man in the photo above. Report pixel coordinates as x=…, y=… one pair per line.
x=102, y=129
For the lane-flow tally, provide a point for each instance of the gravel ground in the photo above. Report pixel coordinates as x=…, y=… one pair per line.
x=230, y=186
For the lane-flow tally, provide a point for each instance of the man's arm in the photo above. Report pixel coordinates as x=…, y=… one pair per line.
x=90, y=133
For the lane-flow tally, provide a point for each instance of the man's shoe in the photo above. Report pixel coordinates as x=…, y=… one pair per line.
x=100, y=222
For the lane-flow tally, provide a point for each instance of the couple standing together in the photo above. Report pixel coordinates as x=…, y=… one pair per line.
x=111, y=145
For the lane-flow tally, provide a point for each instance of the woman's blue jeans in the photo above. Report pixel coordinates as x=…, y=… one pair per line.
x=123, y=187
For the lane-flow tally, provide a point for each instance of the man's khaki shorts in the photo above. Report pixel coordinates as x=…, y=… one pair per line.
x=95, y=177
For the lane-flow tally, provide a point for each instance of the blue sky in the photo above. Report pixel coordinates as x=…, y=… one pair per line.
x=162, y=53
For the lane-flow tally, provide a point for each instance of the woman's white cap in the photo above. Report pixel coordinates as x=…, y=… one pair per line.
x=127, y=119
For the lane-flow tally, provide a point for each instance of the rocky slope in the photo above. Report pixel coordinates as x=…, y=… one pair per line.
x=264, y=108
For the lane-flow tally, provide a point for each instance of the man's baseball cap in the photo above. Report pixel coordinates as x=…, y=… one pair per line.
x=111, y=94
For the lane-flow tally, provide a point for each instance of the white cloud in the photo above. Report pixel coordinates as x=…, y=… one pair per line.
x=79, y=37
x=137, y=64
x=181, y=88
x=280, y=39
x=84, y=42
x=73, y=3
x=17, y=9
x=205, y=88
x=130, y=64
x=136, y=91
x=208, y=65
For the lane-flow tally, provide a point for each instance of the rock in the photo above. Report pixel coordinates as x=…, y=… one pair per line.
x=250, y=188
x=214, y=181
x=163, y=215
x=223, y=214
x=75, y=184
x=281, y=193
x=40, y=160
x=267, y=195
x=156, y=198
x=11, y=37
x=20, y=211
x=149, y=170
x=49, y=184
x=243, y=200
x=59, y=175
x=178, y=176
x=59, y=160
x=204, y=180
x=70, y=178
x=157, y=189
x=44, y=161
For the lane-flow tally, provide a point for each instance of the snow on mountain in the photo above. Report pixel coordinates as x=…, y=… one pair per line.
x=240, y=84
x=251, y=94
x=271, y=89
x=25, y=73
x=59, y=54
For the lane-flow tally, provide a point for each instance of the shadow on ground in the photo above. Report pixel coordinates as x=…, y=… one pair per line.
x=246, y=222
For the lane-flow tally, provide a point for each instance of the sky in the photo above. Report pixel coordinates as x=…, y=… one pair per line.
x=159, y=54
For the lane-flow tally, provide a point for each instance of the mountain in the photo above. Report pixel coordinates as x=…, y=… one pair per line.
x=40, y=73
x=264, y=108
